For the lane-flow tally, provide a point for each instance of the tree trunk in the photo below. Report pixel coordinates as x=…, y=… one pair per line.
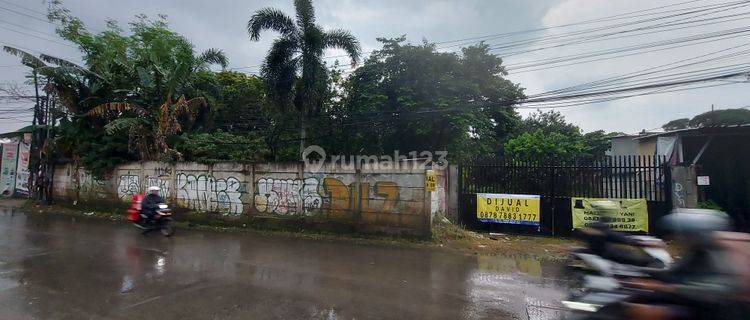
x=302, y=135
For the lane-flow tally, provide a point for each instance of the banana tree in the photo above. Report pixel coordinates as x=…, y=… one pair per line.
x=147, y=131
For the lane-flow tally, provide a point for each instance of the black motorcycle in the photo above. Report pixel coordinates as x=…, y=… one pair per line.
x=162, y=221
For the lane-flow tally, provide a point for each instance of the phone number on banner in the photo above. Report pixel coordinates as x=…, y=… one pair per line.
x=509, y=218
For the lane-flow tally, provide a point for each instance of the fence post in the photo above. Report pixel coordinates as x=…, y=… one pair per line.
x=667, y=182
x=551, y=193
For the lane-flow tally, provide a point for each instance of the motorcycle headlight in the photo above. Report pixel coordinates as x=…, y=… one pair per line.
x=581, y=306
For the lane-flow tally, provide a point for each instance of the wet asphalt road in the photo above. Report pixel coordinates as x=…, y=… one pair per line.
x=62, y=267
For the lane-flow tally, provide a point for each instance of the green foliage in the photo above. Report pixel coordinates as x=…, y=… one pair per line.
x=538, y=145
x=294, y=69
x=241, y=101
x=413, y=98
x=547, y=136
x=548, y=122
x=676, y=124
x=710, y=204
x=93, y=149
x=722, y=117
x=598, y=142
x=222, y=146
x=140, y=85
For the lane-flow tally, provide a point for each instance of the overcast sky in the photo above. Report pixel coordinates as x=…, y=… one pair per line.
x=221, y=24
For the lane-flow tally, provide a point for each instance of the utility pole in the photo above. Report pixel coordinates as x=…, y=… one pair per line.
x=34, y=156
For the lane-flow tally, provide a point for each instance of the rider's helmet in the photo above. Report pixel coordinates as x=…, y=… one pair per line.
x=696, y=227
x=153, y=189
x=695, y=221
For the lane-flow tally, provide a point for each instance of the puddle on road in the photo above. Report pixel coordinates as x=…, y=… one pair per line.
x=313, y=279
x=521, y=285
x=502, y=264
x=9, y=210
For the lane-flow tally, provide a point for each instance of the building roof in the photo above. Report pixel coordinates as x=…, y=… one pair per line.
x=738, y=129
x=19, y=132
x=635, y=135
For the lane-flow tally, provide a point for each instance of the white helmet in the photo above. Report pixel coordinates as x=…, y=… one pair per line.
x=154, y=188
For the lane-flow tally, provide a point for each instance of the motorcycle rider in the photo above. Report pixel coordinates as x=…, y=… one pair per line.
x=151, y=202
x=709, y=283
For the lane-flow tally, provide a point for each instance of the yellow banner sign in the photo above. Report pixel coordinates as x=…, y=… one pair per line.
x=430, y=180
x=508, y=208
x=626, y=214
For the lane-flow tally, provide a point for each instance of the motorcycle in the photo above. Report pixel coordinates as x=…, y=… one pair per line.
x=610, y=293
x=162, y=221
x=586, y=262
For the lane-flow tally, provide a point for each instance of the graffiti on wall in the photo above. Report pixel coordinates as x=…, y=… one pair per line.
x=288, y=196
x=343, y=199
x=205, y=192
x=90, y=186
x=127, y=186
x=308, y=196
x=163, y=182
x=679, y=194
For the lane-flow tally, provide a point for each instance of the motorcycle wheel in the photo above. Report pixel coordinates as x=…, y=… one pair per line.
x=167, y=230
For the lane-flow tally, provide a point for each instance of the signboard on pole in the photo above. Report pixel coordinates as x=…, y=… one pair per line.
x=704, y=180
x=430, y=180
x=629, y=215
x=22, y=170
x=508, y=208
x=8, y=169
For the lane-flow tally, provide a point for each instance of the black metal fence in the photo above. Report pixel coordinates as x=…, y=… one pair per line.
x=626, y=177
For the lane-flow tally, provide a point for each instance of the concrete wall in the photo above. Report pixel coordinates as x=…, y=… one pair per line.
x=389, y=201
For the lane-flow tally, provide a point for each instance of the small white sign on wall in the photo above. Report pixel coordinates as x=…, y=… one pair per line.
x=704, y=181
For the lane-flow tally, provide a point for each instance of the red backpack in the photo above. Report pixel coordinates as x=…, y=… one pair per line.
x=134, y=212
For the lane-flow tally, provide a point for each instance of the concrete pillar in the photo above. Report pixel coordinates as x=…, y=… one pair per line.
x=684, y=189
x=451, y=193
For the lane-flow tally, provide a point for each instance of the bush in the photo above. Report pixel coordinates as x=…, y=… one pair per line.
x=222, y=146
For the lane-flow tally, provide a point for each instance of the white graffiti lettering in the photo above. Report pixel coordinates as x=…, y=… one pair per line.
x=207, y=193
x=128, y=186
x=288, y=196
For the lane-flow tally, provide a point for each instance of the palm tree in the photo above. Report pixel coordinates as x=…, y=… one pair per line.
x=294, y=67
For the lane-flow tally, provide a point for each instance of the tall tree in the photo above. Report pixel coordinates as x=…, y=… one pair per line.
x=722, y=117
x=294, y=67
x=411, y=97
x=548, y=136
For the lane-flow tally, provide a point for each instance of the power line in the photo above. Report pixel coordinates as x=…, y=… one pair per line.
x=38, y=37
x=650, y=70
x=531, y=63
x=603, y=19
x=563, y=41
x=554, y=65
x=24, y=7
x=598, y=20
x=29, y=29
x=25, y=14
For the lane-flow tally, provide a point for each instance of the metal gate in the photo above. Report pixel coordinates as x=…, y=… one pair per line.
x=626, y=177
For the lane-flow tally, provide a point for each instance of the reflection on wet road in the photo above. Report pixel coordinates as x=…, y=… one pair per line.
x=60, y=267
